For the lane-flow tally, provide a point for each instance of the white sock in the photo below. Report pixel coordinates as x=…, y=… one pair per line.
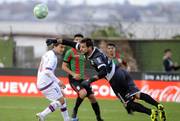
x=64, y=112
x=52, y=107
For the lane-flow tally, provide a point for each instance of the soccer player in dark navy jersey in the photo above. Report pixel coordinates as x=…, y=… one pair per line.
x=119, y=79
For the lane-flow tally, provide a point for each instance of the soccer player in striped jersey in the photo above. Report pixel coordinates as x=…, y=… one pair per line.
x=50, y=86
x=74, y=65
x=119, y=79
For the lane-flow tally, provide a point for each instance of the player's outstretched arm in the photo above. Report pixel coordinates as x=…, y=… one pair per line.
x=63, y=41
x=70, y=43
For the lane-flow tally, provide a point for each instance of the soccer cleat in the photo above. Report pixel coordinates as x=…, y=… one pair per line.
x=99, y=119
x=40, y=117
x=162, y=114
x=69, y=119
x=75, y=119
x=154, y=115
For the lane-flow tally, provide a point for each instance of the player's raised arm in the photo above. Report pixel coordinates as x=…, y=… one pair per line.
x=64, y=42
x=71, y=43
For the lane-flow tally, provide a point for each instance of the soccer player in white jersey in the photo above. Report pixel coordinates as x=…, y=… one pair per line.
x=50, y=85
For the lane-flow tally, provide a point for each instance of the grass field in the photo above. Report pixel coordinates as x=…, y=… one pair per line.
x=25, y=108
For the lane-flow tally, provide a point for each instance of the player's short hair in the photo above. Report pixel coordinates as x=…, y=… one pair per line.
x=89, y=42
x=111, y=44
x=167, y=50
x=78, y=35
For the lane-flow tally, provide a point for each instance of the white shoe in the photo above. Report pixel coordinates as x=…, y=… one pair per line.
x=40, y=117
x=69, y=119
x=75, y=119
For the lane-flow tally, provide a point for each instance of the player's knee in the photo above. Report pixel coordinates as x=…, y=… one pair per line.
x=55, y=104
x=129, y=109
x=61, y=101
x=130, y=105
x=137, y=96
x=82, y=93
x=92, y=98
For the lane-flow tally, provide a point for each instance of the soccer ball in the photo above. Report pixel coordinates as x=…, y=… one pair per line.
x=40, y=11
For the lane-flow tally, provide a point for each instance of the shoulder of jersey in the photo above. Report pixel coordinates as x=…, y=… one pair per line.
x=50, y=53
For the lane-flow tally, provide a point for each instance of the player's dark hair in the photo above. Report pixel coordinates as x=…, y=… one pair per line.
x=111, y=44
x=78, y=35
x=167, y=50
x=88, y=41
x=52, y=41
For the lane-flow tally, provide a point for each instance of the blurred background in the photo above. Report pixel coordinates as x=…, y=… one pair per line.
x=140, y=29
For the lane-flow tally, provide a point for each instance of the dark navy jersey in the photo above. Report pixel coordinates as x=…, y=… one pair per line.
x=101, y=63
x=98, y=59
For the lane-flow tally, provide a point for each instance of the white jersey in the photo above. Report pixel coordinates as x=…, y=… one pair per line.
x=48, y=62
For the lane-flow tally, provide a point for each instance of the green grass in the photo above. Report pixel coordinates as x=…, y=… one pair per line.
x=25, y=108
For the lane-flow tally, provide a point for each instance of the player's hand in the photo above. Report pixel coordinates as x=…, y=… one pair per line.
x=85, y=83
x=62, y=85
x=119, y=60
x=77, y=76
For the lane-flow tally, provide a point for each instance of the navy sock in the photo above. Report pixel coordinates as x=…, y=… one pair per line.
x=139, y=108
x=148, y=99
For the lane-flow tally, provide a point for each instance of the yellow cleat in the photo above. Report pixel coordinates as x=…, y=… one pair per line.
x=154, y=115
x=162, y=114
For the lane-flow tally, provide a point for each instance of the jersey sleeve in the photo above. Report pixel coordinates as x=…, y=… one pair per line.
x=67, y=56
x=101, y=66
x=99, y=62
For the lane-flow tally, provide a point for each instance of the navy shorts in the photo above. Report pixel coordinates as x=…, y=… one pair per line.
x=123, y=85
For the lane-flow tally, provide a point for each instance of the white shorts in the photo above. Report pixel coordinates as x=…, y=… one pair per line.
x=53, y=92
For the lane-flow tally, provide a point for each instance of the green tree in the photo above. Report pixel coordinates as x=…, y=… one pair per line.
x=176, y=37
x=106, y=32
x=6, y=52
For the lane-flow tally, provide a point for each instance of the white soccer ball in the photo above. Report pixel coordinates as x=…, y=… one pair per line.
x=40, y=11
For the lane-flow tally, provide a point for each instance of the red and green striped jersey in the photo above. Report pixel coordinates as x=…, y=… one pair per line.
x=76, y=61
x=115, y=60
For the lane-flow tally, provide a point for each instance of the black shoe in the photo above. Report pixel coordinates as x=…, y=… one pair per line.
x=99, y=119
